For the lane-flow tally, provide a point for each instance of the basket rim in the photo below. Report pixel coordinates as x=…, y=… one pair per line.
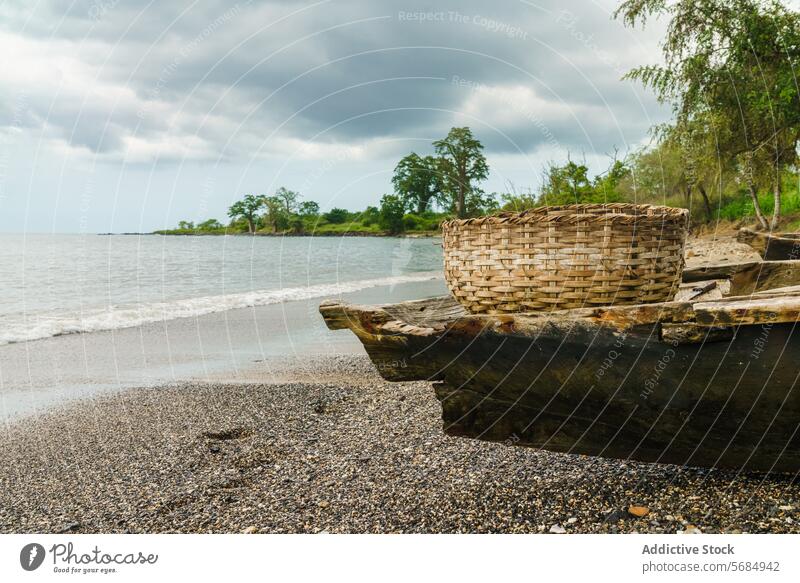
x=623, y=212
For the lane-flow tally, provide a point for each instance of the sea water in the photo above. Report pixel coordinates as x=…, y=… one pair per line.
x=59, y=284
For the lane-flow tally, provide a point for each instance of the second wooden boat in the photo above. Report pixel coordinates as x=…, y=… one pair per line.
x=772, y=246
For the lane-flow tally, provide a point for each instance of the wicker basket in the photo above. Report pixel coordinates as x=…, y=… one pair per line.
x=553, y=258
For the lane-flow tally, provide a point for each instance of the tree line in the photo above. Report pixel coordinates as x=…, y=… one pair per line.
x=427, y=189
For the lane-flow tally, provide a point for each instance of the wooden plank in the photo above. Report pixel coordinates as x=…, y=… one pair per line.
x=748, y=312
x=716, y=271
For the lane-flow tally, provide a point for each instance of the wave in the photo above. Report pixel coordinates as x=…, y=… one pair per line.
x=38, y=326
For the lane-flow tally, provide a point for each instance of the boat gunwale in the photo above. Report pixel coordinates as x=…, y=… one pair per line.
x=443, y=313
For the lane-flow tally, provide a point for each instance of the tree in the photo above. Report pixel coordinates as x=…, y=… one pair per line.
x=186, y=225
x=418, y=181
x=567, y=184
x=308, y=208
x=462, y=164
x=733, y=60
x=247, y=208
x=289, y=198
x=606, y=185
x=393, y=207
x=336, y=216
x=276, y=214
x=693, y=145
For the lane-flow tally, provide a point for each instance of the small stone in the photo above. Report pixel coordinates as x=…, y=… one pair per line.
x=786, y=508
x=616, y=516
x=250, y=530
x=638, y=511
x=557, y=529
x=690, y=529
x=324, y=504
x=572, y=520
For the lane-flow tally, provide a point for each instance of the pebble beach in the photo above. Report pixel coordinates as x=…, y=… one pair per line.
x=339, y=450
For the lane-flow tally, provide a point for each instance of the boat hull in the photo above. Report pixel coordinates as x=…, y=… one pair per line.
x=727, y=404
x=707, y=381
x=587, y=389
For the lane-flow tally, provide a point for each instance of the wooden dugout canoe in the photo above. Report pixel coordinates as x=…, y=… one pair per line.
x=705, y=381
x=772, y=246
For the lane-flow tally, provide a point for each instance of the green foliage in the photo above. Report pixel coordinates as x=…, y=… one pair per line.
x=289, y=199
x=210, y=225
x=607, y=186
x=370, y=216
x=412, y=222
x=571, y=184
x=247, y=209
x=418, y=181
x=729, y=67
x=514, y=202
x=297, y=225
x=336, y=216
x=480, y=203
x=461, y=165
x=276, y=217
x=391, y=213
x=308, y=208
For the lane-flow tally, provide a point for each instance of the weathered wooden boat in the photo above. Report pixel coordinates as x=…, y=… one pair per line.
x=772, y=246
x=710, y=379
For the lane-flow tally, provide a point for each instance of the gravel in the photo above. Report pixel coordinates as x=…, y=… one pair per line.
x=340, y=451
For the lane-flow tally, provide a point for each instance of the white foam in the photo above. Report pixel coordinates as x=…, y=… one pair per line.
x=38, y=326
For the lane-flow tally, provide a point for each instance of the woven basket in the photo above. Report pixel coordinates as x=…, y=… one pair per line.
x=554, y=258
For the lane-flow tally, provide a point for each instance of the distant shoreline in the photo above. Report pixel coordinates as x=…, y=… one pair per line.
x=415, y=235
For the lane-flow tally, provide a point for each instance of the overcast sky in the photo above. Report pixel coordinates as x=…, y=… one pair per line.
x=122, y=115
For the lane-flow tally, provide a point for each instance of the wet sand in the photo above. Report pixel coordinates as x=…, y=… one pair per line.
x=39, y=375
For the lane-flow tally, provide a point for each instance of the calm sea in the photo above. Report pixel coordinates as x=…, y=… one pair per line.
x=59, y=284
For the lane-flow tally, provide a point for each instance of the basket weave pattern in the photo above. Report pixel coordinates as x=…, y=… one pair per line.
x=553, y=258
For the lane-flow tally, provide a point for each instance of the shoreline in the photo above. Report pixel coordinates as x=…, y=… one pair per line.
x=39, y=375
x=418, y=235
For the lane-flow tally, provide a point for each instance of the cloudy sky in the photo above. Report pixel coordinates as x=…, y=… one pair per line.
x=123, y=115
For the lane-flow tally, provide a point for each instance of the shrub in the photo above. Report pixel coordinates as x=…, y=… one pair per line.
x=412, y=222
x=336, y=216
x=391, y=213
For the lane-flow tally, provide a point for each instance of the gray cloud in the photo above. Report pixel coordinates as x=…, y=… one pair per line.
x=215, y=79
